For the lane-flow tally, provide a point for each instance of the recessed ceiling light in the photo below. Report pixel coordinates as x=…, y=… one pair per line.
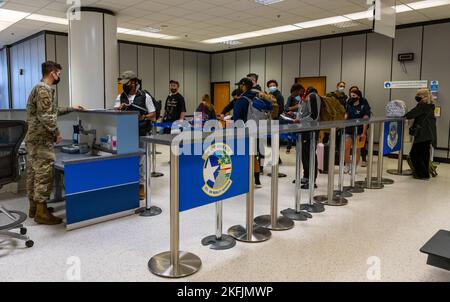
x=48, y=19
x=322, y=22
x=347, y=24
x=253, y=34
x=267, y=2
x=232, y=42
x=428, y=4
x=151, y=29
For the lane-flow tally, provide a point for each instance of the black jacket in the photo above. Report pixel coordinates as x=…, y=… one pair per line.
x=424, y=123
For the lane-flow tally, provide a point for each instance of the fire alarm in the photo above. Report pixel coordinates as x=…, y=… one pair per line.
x=405, y=57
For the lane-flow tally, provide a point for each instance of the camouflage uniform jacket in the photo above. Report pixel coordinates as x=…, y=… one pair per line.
x=42, y=114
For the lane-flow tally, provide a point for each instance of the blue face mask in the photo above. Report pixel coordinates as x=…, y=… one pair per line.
x=273, y=89
x=297, y=98
x=341, y=90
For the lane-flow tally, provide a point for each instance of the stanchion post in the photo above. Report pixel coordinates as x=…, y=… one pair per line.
x=312, y=206
x=149, y=210
x=370, y=184
x=219, y=241
x=273, y=221
x=174, y=264
x=380, y=179
x=399, y=170
x=341, y=192
x=154, y=173
x=331, y=199
x=297, y=214
x=250, y=233
x=353, y=187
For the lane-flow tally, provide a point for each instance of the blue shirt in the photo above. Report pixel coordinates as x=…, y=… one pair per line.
x=357, y=112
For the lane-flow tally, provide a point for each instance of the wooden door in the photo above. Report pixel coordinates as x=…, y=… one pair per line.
x=320, y=83
x=220, y=95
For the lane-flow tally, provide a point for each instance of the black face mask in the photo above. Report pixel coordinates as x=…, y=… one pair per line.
x=354, y=100
x=127, y=89
x=418, y=99
x=56, y=82
x=173, y=90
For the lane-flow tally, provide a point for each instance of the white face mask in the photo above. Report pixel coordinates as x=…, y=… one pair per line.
x=273, y=89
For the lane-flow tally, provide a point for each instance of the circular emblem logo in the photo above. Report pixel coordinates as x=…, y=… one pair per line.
x=217, y=169
x=393, y=135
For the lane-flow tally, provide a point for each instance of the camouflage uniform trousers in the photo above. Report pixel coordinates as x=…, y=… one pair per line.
x=40, y=173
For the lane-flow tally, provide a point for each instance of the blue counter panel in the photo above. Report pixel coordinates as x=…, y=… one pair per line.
x=82, y=177
x=95, y=204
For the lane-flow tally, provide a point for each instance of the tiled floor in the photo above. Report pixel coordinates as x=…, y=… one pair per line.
x=379, y=233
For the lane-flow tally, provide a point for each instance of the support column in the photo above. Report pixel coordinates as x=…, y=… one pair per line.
x=93, y=58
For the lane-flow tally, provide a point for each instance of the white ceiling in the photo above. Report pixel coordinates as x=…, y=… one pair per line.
x=197, y=20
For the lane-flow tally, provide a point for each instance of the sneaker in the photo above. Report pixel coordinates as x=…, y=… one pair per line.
x=364, y=164
x=306, y=186
x=305, y=180
x=288, y=151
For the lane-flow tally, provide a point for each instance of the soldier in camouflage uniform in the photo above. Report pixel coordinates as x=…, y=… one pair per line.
x=42, y=133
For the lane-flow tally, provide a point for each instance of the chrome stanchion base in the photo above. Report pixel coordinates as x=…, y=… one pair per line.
x=297, y=216
x=360, y=184
x=337, y=201
x=239, y=233
x=403, y=173
x=345, y=194
x=280, y=175
x=153, y=211
x=384, y=181
x=225, y=242
x=375, y=186
x=157, y=174
x=354, y=190
x=188, y=264
x=282, y=223
x=313, y=208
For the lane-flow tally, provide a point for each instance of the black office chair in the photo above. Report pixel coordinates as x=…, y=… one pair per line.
x=12, y=134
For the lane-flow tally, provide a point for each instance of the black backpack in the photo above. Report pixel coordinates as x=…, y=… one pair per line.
x=157, y=104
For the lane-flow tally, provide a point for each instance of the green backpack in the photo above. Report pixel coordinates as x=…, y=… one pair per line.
x=331, y=109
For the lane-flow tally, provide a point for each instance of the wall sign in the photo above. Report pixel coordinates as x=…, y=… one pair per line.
x=434, y=87
x=405, y=84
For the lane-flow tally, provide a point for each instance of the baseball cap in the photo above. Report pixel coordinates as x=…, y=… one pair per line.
x=245, y=81
x=127, y=76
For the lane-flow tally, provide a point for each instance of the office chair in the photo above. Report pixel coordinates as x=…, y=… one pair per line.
x=12, y=134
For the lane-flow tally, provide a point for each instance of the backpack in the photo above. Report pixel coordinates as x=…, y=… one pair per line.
x=331, y=109
x=156, y=104
x=259, y=109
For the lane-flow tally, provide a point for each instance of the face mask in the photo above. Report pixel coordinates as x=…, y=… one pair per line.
x=173, y=90
x=297, y=98
x=341, y=90
x=418, y=99
x=56, y=82
x=354, y=100
x=127, y=89
x=273, y=89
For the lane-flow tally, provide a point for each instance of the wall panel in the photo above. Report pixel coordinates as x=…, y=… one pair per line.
x=310, y=59
x=331, y=61
x=354, y=60
x=291, y=67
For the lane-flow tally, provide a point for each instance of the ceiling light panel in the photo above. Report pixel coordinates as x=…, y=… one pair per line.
x=322, y=22
x=48, y=19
